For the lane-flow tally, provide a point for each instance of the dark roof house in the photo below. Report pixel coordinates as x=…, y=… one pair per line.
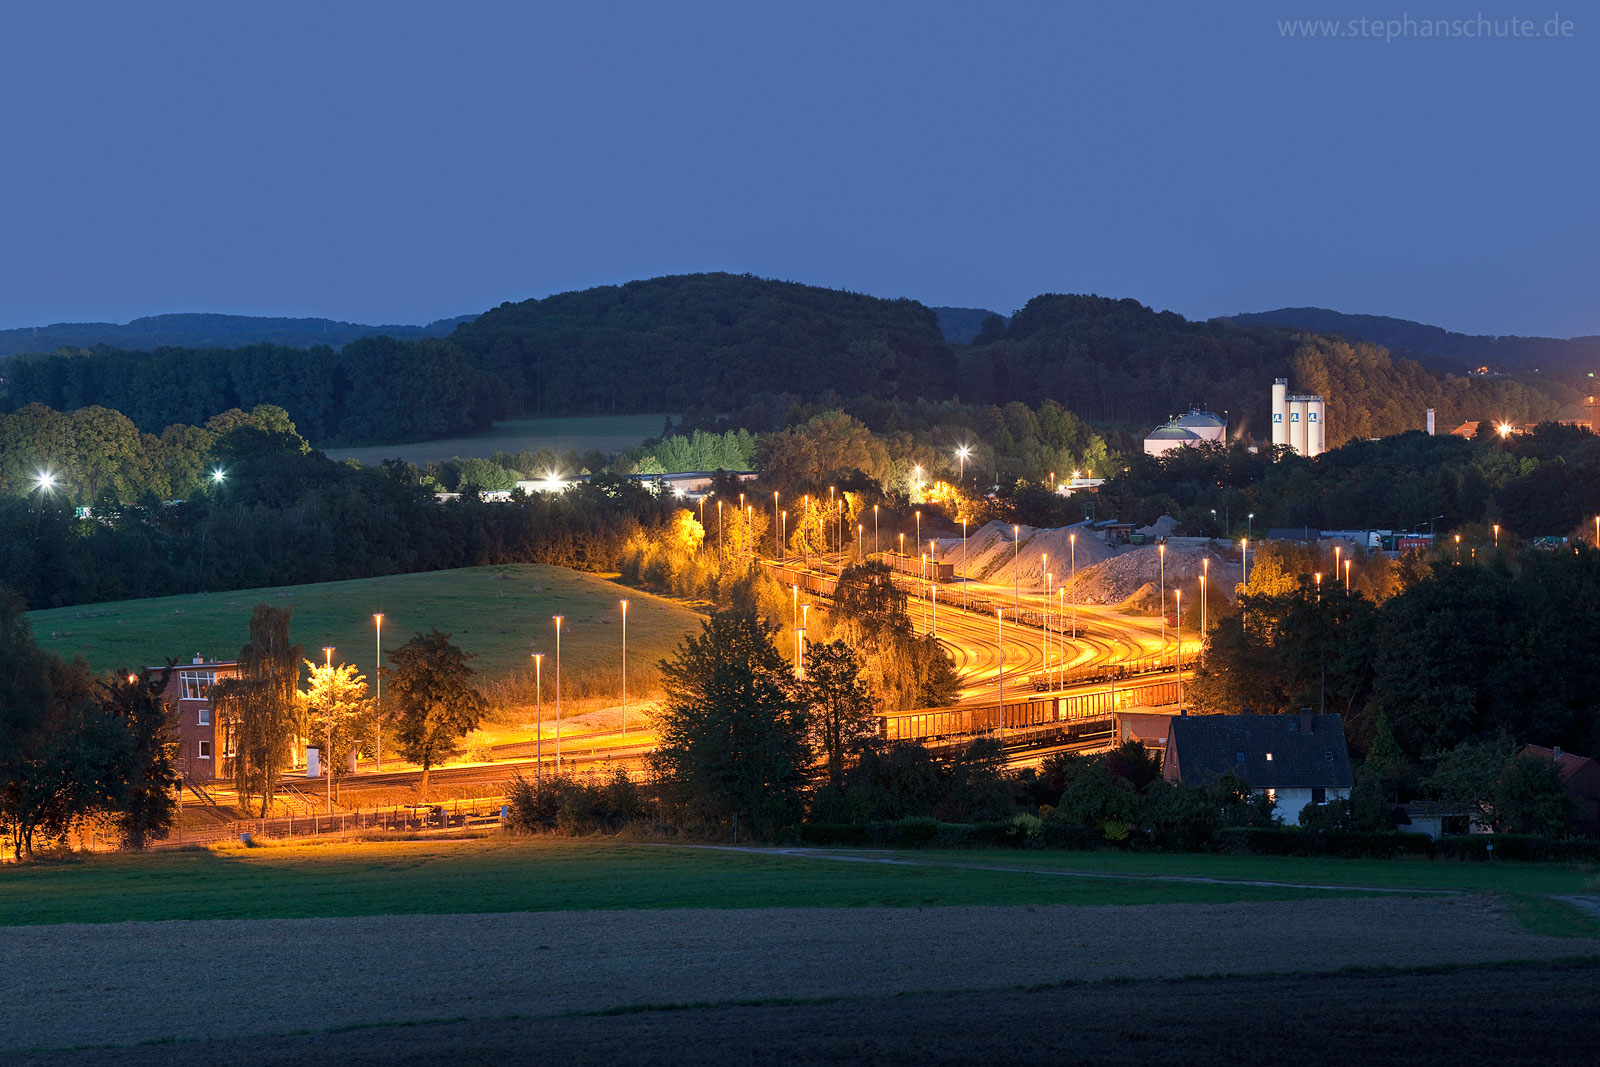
x=1295, y=759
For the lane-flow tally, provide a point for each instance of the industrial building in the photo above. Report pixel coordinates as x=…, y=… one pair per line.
x=1299, y=421
x=1186, y=431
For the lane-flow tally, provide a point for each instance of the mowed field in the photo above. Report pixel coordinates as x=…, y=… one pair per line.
x=502, y=614
x=511, y=950
x=608, y=433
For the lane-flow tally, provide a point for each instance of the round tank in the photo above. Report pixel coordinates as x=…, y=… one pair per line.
x=1297, y=425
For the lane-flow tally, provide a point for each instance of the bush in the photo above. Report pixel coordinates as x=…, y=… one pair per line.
x=1296, y=841
x=568, y=806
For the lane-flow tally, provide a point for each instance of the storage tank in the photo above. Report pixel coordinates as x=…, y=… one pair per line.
x=1280, y=411
x=1430, y=422
x=1316, y=427
x=1297, y=424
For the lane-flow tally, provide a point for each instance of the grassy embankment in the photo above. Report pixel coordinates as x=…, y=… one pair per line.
x=500, y=613
x=496, y=874
x=608, y=433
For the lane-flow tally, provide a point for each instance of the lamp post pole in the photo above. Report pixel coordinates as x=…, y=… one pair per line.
x=1072, y=542
x=1000, y=640
x=625, y=670
x=377, y=746
x=557, y=618
x=1178, y=593
x=875, y=549
x=327, y=755
x=1016, y=566
x=777, y=527
x=963, y=563
x=538, y=703
x=1161, y=550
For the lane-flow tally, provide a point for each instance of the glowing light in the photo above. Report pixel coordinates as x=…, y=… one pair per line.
x=46, y=481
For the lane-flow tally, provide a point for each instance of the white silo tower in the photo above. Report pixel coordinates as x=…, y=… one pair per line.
x=1280, y=411
x=1316, y=426
x=1297, y=424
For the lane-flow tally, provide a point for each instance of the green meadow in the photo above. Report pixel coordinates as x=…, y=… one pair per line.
x=502, y=614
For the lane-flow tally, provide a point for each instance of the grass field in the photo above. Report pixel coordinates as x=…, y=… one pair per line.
x=497, y=875
x=500, y=613
x=608, y=433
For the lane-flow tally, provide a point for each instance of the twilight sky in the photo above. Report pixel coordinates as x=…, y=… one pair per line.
x=396, y=162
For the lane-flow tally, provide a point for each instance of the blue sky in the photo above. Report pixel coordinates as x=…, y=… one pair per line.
x=399, y=163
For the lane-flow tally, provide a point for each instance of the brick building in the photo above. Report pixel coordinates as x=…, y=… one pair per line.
x=203, y=755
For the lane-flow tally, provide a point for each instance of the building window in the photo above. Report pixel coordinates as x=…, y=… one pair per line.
x=196, y=685
x=205, y=750
x=204, y=716
x=1272, y=795
x=1269, y=757
x=1319, y=794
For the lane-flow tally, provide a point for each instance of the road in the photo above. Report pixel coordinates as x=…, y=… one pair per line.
x=989, y=655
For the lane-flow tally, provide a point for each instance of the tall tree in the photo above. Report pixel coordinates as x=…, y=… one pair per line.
x=733, y=735
x=337, y=713
x=842, y=707
x=257, y=711
x=432, y=699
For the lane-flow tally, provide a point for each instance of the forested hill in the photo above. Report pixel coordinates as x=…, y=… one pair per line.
x=1117, y=361
x=961, y=325
x=208, y=331
x=703, y=341
x=1432, y=344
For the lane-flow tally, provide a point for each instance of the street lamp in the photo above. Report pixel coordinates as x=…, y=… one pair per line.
x=1072, y=543
x=919, y=527
x=1016, y=560
x=625, y=668
x=1178, y=596
x=875, y=550
x=1000, y=642
x=963, y=563
x=961, y=455
x=1347, y=576
x=377, y=748
x=557, y=619
x=538, y=703
x=1161, y=550
x=1244, y=560
x=1497, y=532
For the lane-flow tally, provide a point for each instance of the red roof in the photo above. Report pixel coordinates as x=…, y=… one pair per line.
x=1568, y=763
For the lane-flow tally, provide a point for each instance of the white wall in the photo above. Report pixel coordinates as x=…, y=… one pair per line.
x=1290, y=801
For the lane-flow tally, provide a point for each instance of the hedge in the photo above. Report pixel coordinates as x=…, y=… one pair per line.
x=919, y=833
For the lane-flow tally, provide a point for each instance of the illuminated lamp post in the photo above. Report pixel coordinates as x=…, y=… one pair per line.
x=624, y=672
x=1497, y=533
x=1347, y=576
x=1049, y=594
x=1000, y=641
x=961, y=456
x=1072, y=543
x=377, y=749
x=327, y=754
x=963, y=563
x=1178, y=597
x=1016, y=566
x=1161, y=550
x=860, y=541
x=1061, y=611
x=1458, y=550
x=538, y=703
x=1338, y=552
x=777, y=527
x=919, y=527
x=557, y=619
x=875, y=549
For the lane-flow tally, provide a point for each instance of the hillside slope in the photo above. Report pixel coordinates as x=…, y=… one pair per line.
x=1433, y=344
x=703, y=341
x=208, y=331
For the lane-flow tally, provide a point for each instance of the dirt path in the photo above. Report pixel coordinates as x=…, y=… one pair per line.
x=133, y=982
